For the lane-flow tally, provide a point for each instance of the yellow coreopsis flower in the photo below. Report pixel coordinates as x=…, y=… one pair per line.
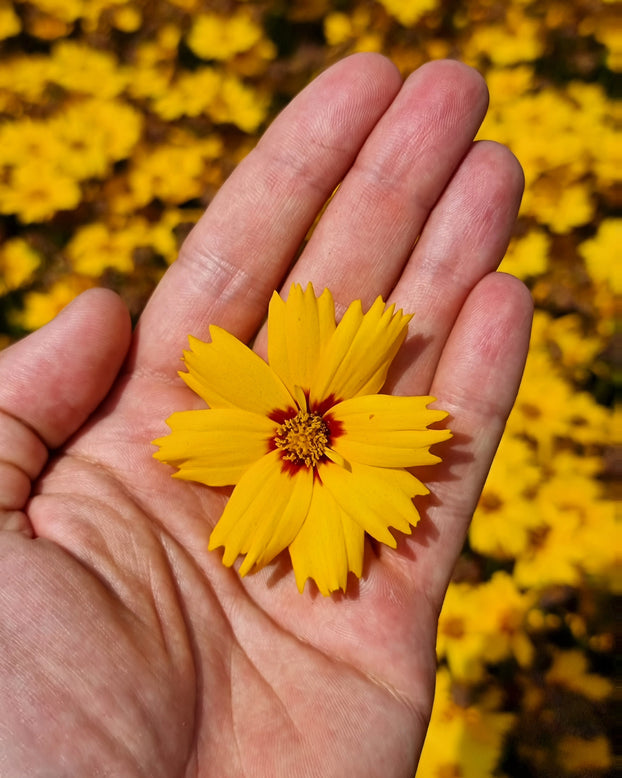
x=318, y=458
x=18, y=262
x=409, y=12
x=463, y=740
x=214, y=36
x=570, y=670
x=41, y=307
x=10, y=23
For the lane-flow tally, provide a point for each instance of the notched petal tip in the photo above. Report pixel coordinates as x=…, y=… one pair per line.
x=324, y=589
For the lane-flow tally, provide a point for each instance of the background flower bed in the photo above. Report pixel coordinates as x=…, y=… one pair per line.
x=118, y=122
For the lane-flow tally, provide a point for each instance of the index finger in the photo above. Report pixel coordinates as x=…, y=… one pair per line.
x=243, y=245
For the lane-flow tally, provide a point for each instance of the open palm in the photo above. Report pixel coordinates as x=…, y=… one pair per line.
x=128, y=649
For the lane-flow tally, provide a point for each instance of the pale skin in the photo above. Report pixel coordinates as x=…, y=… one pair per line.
x=126, y=648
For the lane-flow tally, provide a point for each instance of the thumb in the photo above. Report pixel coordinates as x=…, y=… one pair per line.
x=50, y=382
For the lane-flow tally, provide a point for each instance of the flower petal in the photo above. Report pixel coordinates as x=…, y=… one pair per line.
x=278, y=535
x=328, y=545
x=357, y=356
x=227, y=374
x=376, y=498
x=214, y=447
x=264, y=513
x=387, y=431
x=298, y=330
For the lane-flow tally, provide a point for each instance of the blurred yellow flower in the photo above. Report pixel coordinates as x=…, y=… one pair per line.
x=318, y=457
x=18, y=262
x=25, y=140
x=355, y=28
x=161, y=234
x=239, y=104
x=150, y=81
x=222, y=96
x=96, y=247
x=337, y=28
x=463, y=740
x=41, y=307
x=65, y=10
x=579, y=534
x=517, y=40
x=80, y=68
x=573, y=343
x=527, y=255
x=169, y=173
x=608, y=157
x=563, y=137
x=79, y=142
x=85, y=153
x=187, y=5
x=503, y=608
x=589, y=423
x=115, y=123
x=214, y=36
x=569, y=465
x=35, y=192
x=168, y=37
x=585, y=755
x=548, y=408
x=10, y=24
x=460, y=641
x=94, y=12
x=506, y=85
x=570, y=670
x=559, y=201
x=600, y=538
x=190, y=94
x=600, y=252
x=24, y=76
x=539, y=410
x=609, y=34
x=408, y=12
x=504, y=517
x=483, y=624
x=45, y=27
x=578, y=493
x=127, y=18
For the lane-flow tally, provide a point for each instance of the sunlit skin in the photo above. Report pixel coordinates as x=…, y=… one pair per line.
x=128, y=649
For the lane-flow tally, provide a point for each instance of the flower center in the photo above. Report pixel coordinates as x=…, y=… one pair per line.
x=303, y=438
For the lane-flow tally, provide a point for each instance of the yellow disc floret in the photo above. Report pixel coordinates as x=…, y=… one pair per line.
x=303, y=439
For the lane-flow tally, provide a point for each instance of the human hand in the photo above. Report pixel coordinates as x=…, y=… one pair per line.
x=128, y=649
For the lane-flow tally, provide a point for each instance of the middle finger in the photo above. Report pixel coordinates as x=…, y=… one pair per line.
x=369, y=228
